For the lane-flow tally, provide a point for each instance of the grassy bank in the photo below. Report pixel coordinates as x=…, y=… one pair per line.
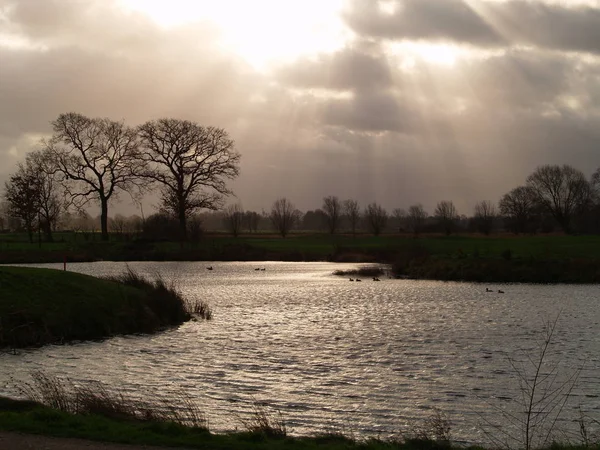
x=40, y=306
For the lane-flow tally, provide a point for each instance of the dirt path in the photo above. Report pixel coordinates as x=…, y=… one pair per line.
x=17, y=441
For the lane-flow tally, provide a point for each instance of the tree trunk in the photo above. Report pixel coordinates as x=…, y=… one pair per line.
x=48, y=231
x=104, y=218
x=182, y=222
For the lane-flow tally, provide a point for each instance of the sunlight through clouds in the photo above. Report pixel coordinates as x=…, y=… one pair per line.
x=263, y=31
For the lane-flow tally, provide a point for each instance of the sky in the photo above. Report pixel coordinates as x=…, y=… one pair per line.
x=395, y=101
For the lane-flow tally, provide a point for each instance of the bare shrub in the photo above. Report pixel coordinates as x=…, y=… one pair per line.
x=544, y=396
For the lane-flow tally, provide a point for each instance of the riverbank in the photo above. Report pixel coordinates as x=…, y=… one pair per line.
x=500, y=258
x=42, y=306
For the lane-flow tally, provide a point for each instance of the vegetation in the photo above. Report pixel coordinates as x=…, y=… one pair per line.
x=40, y=306
x=56, y=407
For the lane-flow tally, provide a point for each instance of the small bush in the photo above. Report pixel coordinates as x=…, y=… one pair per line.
x=366, y=271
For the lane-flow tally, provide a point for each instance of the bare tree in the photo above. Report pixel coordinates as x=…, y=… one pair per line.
x=96, y=158
x=118, y=224
x=233, y=218
x=22, y=193
x=399, y=215
x=445, y=213
x=416, y=218
x=251, y=220
x=376, y=218
x=332, y=206
x=283, y=216
x=352, y=212
x=563, y=191
x=52, y=202
x=518, y=206
x=485, y=214
x=187, y=159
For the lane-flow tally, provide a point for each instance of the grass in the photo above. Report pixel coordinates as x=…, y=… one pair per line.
x=40, y=306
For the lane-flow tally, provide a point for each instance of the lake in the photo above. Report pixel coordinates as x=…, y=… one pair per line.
x=369, y=358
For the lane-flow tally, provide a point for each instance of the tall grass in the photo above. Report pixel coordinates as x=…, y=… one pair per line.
x=95, y=398
x=164, y=298
x=264, y=422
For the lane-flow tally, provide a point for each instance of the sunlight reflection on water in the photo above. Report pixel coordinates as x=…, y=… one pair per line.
x=369, y=357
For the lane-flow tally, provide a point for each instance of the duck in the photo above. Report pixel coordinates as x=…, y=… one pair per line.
x=500, y=291
x=351, y=279
x=376, y=279
x=488, y=290
x=263, y=269
x=258, y=268
x=358, y=279
x=209, y=268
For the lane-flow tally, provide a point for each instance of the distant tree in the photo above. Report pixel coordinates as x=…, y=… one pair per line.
x=52, y=201
x=485, y=214
x=160, y=226
x=562, y=191
x=332, y=206
x=187, y=159
x=251, y=221
x=399, y=215
x=96, y=159
x=118, y=224
x=416, y=218
x=376, y=218
x=352, y=213
x=233, y=218
x=22, y=194
x=446, y=215
x=519, y=206
x=283, y=216
x=314, y=220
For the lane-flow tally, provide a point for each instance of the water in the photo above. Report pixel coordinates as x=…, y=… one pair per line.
x=369, y=358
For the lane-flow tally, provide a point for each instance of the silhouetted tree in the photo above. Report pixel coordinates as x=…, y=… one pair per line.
x=416, y=218
x=185, y=158
x=160, y=226
x=352, y=212
x=399, y=215
x=446, y=215
x=233, y=218
x=518, y=206
x=52, y=201
x=562, y=191
x=485, y=214
x=332, y=207
x=251, y=220
x=376, y=218
x=314, y=220
x=283, y=216
x=22, y=194
x=96, y=159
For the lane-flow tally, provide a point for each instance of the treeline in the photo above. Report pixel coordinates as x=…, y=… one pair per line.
x=95, y=160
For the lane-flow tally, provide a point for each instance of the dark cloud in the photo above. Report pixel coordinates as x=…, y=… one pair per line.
x=481, y=23
x=349, y=69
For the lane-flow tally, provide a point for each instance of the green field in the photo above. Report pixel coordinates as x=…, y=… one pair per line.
x=314, y=245
x=472, y=257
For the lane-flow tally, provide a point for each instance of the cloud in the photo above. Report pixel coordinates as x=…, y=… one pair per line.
x=367, y=121
x=481, y=23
